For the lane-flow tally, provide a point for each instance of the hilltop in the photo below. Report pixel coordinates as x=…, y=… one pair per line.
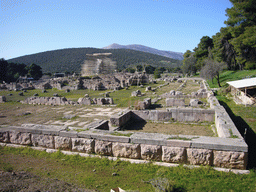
x=170, y=54
x=71, y=59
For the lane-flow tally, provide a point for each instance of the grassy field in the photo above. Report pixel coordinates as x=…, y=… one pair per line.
x=103, y=174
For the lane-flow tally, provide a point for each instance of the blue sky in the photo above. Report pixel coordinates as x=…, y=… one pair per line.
x=30, y=26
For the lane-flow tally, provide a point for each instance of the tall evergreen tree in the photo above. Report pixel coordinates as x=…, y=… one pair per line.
x=242, y=25
x=3, y=69
x=201, y=51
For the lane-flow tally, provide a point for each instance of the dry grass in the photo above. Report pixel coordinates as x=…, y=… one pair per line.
x=171, y=128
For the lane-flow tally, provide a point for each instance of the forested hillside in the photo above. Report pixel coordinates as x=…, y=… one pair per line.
x=70, y=60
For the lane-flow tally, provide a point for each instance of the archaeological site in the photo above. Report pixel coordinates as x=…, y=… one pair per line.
x=169, y=121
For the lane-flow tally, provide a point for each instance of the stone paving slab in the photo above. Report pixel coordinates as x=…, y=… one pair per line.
x=217, y=143
x=149, y=138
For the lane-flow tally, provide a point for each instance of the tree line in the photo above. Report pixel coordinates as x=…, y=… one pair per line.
x=10, y=72
x=232, y=48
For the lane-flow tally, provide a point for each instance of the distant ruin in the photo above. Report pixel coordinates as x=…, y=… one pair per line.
x=98, y=63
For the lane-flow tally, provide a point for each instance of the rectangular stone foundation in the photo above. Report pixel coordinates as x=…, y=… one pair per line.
x=218, y=152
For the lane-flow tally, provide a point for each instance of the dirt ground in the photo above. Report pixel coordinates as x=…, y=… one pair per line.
x=27, y=182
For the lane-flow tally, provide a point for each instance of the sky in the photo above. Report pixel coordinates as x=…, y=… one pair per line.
x=33, y=26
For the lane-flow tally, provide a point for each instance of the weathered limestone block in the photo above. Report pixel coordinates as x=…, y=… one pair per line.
x=148, y=88
x=20, y=138
x=194, y=102
x=172, y=92
x=136, y=93
x=83, y=145
x=2, y=99
x=126, y=150
x=43, y=141
x=103, y=147
x=174, y=102
x=84, y=101
x=4, y=137
x=62, y=143
x=199, y=156
x=174, y=154
x=151, y=152
x=230, y=159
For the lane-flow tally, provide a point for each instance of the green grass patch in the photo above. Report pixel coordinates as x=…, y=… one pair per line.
x=95, y=173
x=231, y=76
x=121, y=134
x=182, y=138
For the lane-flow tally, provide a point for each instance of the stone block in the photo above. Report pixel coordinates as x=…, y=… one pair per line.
x=126, y=150
x=84, y=101
x=110, y=138
x=20, y=138
x=178, y=143
x=175, y=102
x=199, y=156
x=136, y=93
x=43, y=140
x=68, y=133
x=173, y=154
x=83, y=145
x=103, y=147
x=194, y=102
x=62, y=143
x=4, y=137
x=2, y=99
x=230, y=159
x=151, y=152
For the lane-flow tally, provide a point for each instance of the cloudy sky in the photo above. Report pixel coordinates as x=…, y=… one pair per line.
x=32, y=26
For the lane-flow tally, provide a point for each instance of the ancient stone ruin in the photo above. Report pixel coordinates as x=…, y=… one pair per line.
x=98, y=63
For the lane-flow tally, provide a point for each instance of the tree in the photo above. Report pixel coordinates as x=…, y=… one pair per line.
x=242, y=25
x=189, y=63
x=212, y=68
x=201, y=51
x=157, y=74
x=223, y=50
x=35, y=71
x=149, y=69
x=3, y=69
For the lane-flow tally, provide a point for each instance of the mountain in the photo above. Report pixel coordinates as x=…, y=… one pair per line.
x=170, y=54
x=71, y=59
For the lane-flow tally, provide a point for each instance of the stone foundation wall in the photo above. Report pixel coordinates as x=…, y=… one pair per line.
x=176, y=114
x=219, y=152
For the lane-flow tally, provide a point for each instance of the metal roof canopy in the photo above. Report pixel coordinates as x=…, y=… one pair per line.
x=244, y=83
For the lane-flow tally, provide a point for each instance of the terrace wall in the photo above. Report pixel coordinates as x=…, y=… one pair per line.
x=212, y=151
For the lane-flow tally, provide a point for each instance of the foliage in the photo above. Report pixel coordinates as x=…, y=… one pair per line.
x=157, y=74
x=3, y=69
x=212, y=68
x=189, y=63
x=201, y=51
x=34, y=71
x=223, y=50
x=235, y=44
x=68, y=60
x=242, y=25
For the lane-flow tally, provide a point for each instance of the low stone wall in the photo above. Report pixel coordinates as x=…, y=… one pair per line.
x=212, y=151
x=48, y=101
x=224, y=125
x=120, y=119
x=64, y=101
x=177, y=114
